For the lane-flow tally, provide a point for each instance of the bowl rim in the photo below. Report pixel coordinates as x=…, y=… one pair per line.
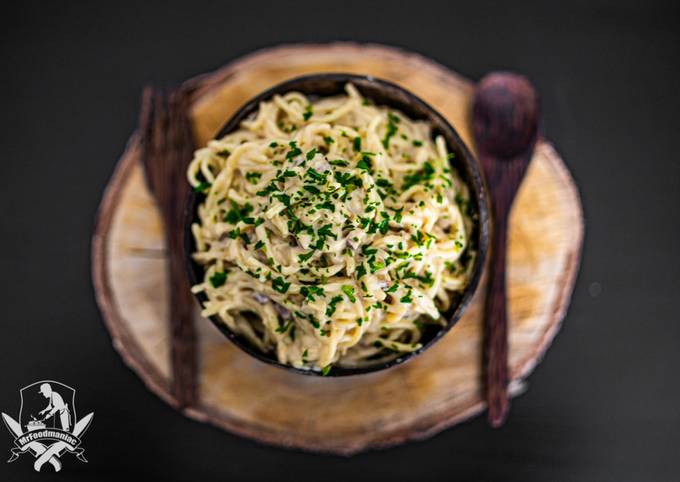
x=475, y=184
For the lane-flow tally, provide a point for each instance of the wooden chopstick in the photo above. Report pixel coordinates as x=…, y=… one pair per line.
x=167, y=149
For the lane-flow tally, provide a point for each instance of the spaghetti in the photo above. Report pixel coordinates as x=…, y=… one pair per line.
x=331, y=230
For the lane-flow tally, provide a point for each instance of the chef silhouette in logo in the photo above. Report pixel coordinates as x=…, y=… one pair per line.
x=55, y=406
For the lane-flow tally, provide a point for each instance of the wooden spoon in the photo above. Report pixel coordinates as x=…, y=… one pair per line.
x=505, y=123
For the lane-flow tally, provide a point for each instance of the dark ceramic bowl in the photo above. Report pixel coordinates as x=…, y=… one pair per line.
x=384, y=93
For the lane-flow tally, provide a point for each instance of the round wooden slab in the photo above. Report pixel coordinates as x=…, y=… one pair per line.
x=434, y=391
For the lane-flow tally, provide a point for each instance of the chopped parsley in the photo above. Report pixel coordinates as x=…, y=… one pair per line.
x=365, y=163
x=326, y=205
x=347, y=180
x=376, y=265
x=202, y=187
x=310, y=291
x=423, y=175
x=305, y=256
x=426, y=279
x=421, y=238
x=392, y=121
x=253, y=177
x=312, y=189
x=284, y=198
x=315, y=175
x=236, y=233
x=284, y=328
x=332, y=305
x=349, y=291
x=280, y=285
x=398, y=214
x=309, y=318
x=219, y=278
x=308, y=112
x=294, y=151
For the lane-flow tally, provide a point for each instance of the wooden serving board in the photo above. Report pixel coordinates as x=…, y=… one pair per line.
x=242, y=395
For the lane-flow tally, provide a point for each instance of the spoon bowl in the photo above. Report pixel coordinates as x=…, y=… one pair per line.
x=505, y=114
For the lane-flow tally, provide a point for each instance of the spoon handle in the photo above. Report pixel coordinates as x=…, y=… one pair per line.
x=496, y=330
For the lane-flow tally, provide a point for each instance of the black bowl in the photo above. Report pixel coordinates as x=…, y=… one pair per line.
x=388, y=94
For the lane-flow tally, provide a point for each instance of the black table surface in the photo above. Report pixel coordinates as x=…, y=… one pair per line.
x=605, y=402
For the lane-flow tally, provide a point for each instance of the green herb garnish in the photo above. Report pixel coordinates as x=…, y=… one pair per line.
x=305, y=256
x=294, y=150
x=312, y=189
x=392, y=121
x=253, y=177
x=310, y=291
x=284, y=198
x=308, y=112
x=332, y=305
x=326, y=205
x=423, y=175
x=219, y=278
x=349, y=291
x=202, y=187
x=280, y=285
x=365, y=163
x=283, y=328
x=398, y=215
x=315, y=175
x=407, y=298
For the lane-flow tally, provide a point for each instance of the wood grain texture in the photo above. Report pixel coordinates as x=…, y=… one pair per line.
x=505, y=118
x=347, y=415
x=166, y=150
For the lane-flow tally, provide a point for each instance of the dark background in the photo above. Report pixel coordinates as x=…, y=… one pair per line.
x=604, y=404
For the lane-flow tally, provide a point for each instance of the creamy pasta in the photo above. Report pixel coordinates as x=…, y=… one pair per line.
x=331, y=230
